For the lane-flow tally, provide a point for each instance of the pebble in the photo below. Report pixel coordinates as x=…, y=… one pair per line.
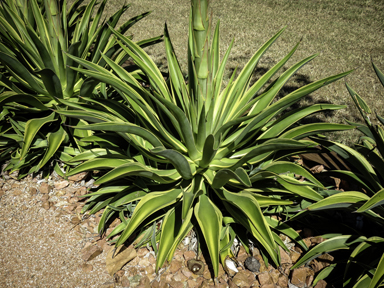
x=90, y=252
x=61, y=185
x=45, y=188
x=252, y=264
x=86, y=267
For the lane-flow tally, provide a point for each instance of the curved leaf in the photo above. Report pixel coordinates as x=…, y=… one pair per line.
x=149, y=204
x=98, y=163
x=314, y=129
x=54, y=141
x=249, y=206
x=127, y=128
x=31, y=129
x=178, y=161
x=210, y=218
x=137, y=169
x=376, y=200
x=333, y=244
x=223, y=176
x=340, y=200
x=284, y=167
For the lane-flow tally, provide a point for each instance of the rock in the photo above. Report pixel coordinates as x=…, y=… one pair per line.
x=179, y=277
x=140, y=252
x=192, y=283
x=283, y=281
x=144, y=281
x=316, y=265
x=316, y=169
x=188, y=255
x=295, y=256
x=325, y=259
x=307, y=242
x=152, y=259
x=317, y=240
x=61, y=184
x=120, y=273
x=268, y=286
x=17, y=192
x=90, y=183
x=285, y=259
x=309, y=280
x=45, y=188
x=77, y=177
x=70, y=208
x=298, y=249
x=207, y=274
x=221, y=271
x=255, y=252
x=80, y=191
x=231, y=284
x=160, y=284
x=132, y=271
x=264, y=278
x=321, y=284
x=91, y=252
x=45, y=198
x=275, y=274
x=125, y=282
x=122, y=256
x=46, y=205
x=178, y=255
x=32, y=191
x=205, y=284
x=75, y=220
x=242, y=255
x=252, y=264
x=1, y=192
x=187, y=273
x=244, y=278
x=115, y=222
x=149, y=270
x=299, y=277
x=144, y=262
x=135, y=280
x=86, y=267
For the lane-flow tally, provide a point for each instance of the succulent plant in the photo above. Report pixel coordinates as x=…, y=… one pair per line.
x=194, y=155
x=36, y=40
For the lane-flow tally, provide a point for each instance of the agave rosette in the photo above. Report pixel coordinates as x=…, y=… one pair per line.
x=191, y=154
x=36, y=39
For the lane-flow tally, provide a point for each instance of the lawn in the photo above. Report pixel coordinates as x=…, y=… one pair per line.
x=346, y=34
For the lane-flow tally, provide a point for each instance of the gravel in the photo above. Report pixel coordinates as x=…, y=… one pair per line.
x=39, y=248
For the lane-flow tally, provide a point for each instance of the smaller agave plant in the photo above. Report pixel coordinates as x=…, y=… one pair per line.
x=196, y=155
x=36, y=40
x=364, y=265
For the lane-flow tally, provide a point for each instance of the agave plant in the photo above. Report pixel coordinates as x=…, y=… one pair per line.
x=37, y=38
x=365, y=263
x=194, y=155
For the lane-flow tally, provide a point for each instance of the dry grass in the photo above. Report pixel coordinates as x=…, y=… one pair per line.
x=346, y=34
